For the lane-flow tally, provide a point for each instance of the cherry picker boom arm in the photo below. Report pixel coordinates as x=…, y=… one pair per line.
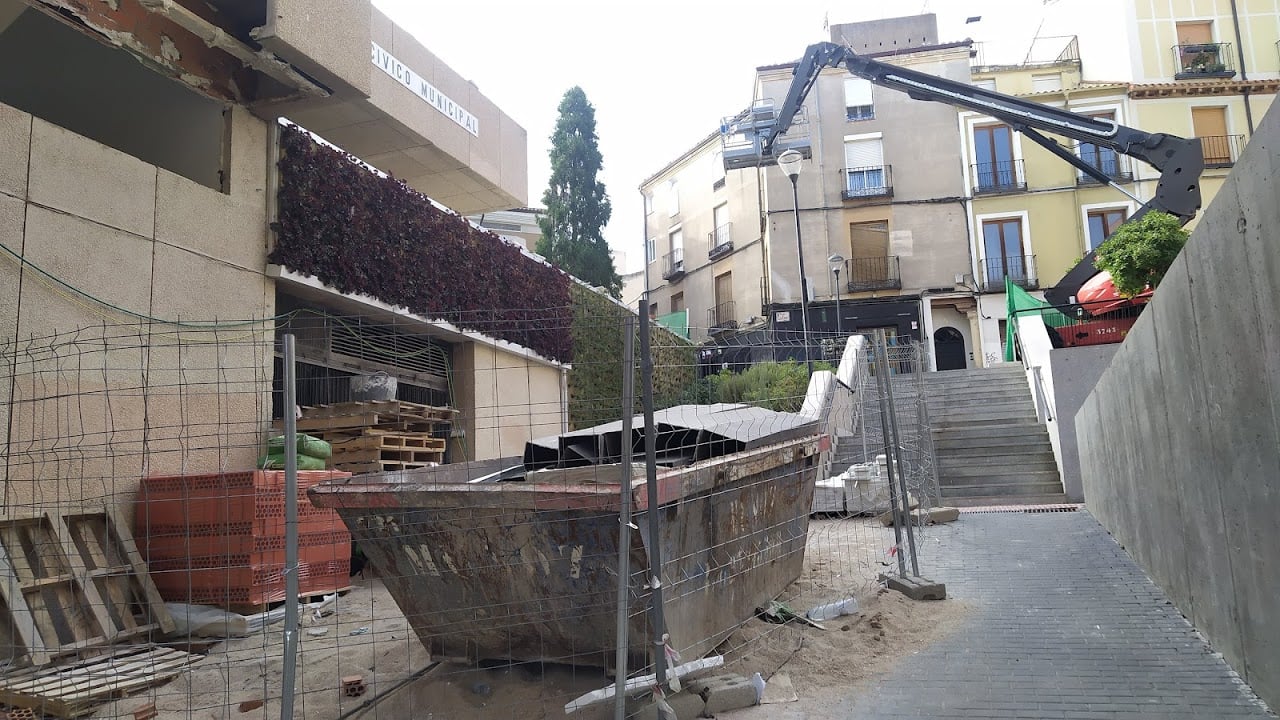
x=1179, y=160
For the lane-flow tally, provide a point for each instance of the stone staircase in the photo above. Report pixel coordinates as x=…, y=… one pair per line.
x=991, y=449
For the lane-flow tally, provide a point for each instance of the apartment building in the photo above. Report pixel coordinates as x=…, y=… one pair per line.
x=1034, y=216
x=137, y=169
x=881, y=206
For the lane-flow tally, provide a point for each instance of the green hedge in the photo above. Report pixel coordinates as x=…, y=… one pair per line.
x=595, y=382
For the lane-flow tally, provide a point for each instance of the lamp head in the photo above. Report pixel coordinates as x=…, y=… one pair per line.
x=789, y=161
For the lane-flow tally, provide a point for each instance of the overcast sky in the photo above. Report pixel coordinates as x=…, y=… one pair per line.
x=661, y=74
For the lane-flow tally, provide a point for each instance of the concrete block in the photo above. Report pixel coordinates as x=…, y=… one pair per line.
x=327, y=38
x=12, y=211
x=698, y=686
x=194, y=287
x=886, y=518
x=85, y=178
x=935, y=516
x=15, y=149
x=728, y=694
x=916, y=588
x=686, y=704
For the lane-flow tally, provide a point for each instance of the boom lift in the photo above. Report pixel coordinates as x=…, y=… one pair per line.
x=756, y=138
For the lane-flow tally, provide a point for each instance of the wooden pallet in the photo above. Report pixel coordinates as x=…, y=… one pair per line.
x=383, y=407
x=383, y=466
x=76, y=688
x=390, y=415
x=71, y=583
x=380, y=440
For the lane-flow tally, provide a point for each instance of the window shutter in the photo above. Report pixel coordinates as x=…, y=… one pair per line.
x=863, y=153
x=857, y=92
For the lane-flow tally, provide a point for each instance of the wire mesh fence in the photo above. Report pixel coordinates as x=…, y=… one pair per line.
x=459, y=543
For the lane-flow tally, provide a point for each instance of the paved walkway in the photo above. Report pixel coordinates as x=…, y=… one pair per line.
x=1066, y=626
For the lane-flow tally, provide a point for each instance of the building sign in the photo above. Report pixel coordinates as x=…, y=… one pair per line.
x=425, y=90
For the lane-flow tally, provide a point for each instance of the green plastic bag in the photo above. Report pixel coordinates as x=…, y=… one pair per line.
x=275, y=461
x=307, y=445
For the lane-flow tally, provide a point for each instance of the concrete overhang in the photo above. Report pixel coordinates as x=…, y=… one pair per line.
x=396, y=106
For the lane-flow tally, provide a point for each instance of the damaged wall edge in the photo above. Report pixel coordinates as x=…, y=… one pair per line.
x=180, y=44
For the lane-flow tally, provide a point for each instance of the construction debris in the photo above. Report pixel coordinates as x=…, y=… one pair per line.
x=379, y=435
x=353, y=686
x=76, y=688
x=916, y=588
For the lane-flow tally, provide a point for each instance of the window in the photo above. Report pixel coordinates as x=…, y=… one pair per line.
x=1002, y=254
x=985, y=84
x=1210, y=125
x=722, y=313
x=676, y=237
x=869, y=239
x=720, y=219
x=677, y=302
x=717, y=170
x=864, y=167
x=648, y=203
x=1197, y=53
x=1046, y=82
x=673, y=198
x=857, y=99
x=1104, y=222
x=651, y=249
x=653, y=310
x=1104, y=159
x=994, y=165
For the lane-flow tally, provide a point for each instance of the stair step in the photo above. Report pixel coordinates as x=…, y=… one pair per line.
x=1028, y=427
x=1007, y=500
x=1000, y=409
x=984, y=447
x=958, y=421
x=1000, y=491
x=1007, y=477
x=964, y=468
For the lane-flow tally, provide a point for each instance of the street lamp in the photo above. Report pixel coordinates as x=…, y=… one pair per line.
x=789, y=161
x=837, y=262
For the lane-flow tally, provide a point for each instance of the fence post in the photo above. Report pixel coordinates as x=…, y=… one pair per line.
x=289, y=673
x=881, y=366
x=624, y=513
x=651, y=483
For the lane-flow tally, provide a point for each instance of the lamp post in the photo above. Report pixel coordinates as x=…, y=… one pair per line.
x=789, y=161
x=837, y=261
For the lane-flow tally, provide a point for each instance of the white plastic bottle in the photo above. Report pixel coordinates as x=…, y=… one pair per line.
x=847, y=606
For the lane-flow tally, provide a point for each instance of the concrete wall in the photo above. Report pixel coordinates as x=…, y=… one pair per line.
x=1074, y=372
x=97, y=402
x=1180, y=442
x=504, y=400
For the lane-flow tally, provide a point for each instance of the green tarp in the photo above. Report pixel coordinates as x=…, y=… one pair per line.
x=676, y=322
x=1022, y=303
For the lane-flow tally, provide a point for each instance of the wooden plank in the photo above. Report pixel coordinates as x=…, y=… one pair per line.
x=88, y=590
x=23, y=620
x=156, y=608
x=92, y=543
x=72, y=690
x=17, y=554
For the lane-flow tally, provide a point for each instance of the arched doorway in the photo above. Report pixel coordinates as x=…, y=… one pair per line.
x=948, y=345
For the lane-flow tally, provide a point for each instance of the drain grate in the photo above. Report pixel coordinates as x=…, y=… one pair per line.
x=1064, y=507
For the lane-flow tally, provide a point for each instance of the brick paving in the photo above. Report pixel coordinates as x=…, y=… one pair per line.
x=1065, y=626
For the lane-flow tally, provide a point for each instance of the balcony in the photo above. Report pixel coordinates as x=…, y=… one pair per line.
x=721, y=317
x=867, y=182
x=1004, y=176
x=1106, y=161
x=720, y=241
x=873, y=273
x=1203, y=60
x=1021, y=269
x=673, y=265
x=1221, y=150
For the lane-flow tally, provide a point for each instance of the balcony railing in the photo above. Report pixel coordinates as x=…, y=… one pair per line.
x=1109, y=163
x=722, y=317
x=673, y=264
x=1221, y=150
x=866, y=182
x=999, y=177
x=1202, y=60
x=720, y=241
x=872, y=273
x=1021, y=269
